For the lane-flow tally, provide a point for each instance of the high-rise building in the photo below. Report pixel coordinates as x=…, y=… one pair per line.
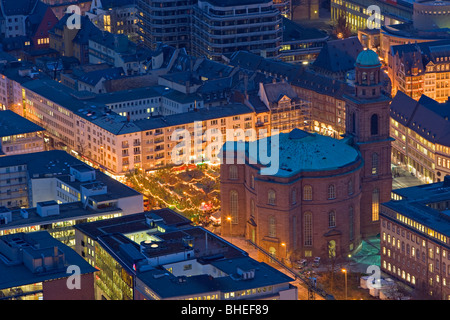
x=167, y=21
x=223, y=27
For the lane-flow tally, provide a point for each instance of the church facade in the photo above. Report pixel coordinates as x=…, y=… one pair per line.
x=325, y=197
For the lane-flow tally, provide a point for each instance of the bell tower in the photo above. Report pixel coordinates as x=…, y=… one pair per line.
x=367, y=122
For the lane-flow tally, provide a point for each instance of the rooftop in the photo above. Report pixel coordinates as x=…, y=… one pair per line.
x=338, y=55
x=202, y=114
x=67, y=211
x=368, y=58
x=39, y=242
x=426, y=117
x=234, y=3
x=12, y=124
x=426, y=204
x=300, y=151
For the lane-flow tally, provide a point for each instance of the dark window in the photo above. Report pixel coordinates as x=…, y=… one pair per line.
x=374, y=125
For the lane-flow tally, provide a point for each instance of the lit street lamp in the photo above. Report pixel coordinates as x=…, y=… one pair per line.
x=285, y=250
x=231, y=237
x=345, y=273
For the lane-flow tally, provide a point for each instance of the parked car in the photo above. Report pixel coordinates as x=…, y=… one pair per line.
x=316, y=261
x=300, y=264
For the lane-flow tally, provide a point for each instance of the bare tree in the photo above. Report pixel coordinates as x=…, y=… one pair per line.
x=342, y=26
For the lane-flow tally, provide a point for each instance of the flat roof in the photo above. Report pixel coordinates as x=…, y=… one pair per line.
x=19, y=275
x=67, y=211
x=202, y=114
x=12, y=124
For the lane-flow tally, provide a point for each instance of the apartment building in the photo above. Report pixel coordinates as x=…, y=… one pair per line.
x=73, y=42
x=158, y=134
x=414, y=237
x=119, y=17
x=19, y=135
x=325, y=95
x=327, y=113
x=421, y=69
x=159, y=255
x=421, y=131
x=118, y=51
x=287, y=110
x=224, y=27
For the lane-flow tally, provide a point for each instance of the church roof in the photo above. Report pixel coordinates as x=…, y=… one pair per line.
x=368, y=58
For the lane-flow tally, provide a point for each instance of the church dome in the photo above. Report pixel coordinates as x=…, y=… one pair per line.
x=368, y=59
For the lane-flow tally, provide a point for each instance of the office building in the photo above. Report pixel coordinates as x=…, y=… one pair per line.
x=53, y=191
x=415, y=235
x=357, y=13
x=119, y=17
x=159, y=255
x=301, y=44
x=165, y=21
x=19, y=135
x=223, y=27
x=35, y=266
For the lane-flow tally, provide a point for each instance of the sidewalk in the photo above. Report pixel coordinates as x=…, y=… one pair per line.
x=253, y=253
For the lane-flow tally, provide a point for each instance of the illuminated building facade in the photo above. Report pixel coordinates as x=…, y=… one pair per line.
x=421, y=130
x=415, y=239
x=357, y=13
x=35, y=267
x=159, y=255
x=19, y=135
x=115, y=16
x=421, y=69
x=54, y=191
x=223, y=27
x=310, y=206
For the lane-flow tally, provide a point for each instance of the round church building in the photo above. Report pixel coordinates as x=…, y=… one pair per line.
x=309, y=206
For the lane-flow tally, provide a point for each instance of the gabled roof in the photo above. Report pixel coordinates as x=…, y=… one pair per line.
x=275, y=91
x=426, y=117
x=338, y=55
x=94, y=77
